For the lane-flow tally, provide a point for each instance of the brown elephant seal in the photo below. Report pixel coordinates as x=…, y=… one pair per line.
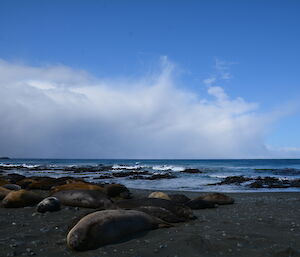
x=160, y=213
x=117, y=191
x=42, y=183
x=3, y=182
x=179, y=198
x=179, y=210
x=49, y=204
x=12, y=187
x=21, y=198
x=83, y=198
x=159, y=195
x=199, y=203
x=109, y=226
x=76, y=186
x=24, y=183
x=218, y=198
x=4, y=192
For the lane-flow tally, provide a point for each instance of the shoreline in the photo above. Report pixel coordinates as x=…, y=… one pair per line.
x=258, y=224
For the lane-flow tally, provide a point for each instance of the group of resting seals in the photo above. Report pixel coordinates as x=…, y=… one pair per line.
x=115, y=215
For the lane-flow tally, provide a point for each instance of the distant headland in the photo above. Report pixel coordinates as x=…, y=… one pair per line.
x=4, y=158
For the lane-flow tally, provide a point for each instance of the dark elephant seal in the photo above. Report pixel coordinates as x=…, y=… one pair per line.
x=83, y=198
x=198, y=203
x=179, y=210
x=109, y=226
x=179, y=198
x=12, y=187
x=117, y=191
x=24, y=183
x=21, y=198
x=3, y=182
x=218, y=198
x=77, y=185
x=159, y=195
x=160, y=213
x=4, y=192
x=50, y=204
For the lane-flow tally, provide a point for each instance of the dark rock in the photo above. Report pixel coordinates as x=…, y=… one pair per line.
x=130, y=173
x=192, y=171
x=271, y=182
x=160, y=176
x=233, y=180
x=154, y=176
x=83, y=169
x=104, y=177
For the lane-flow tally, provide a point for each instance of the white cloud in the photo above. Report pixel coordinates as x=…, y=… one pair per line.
x=56, y=111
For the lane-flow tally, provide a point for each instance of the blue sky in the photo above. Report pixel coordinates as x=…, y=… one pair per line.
x=256, y=44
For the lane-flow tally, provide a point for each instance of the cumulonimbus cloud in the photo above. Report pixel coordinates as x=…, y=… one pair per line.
x=57, y=111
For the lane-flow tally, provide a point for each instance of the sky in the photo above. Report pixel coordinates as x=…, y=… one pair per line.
x=149, y=79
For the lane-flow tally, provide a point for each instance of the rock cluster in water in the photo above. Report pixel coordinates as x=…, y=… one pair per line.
x=260, y=182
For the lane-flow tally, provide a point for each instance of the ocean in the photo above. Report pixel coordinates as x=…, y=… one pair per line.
x=262, y=175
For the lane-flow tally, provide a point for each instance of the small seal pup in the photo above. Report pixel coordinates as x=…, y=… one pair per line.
x=218, y=198
x=50, y=204
x=159, y=195
x=109, y=226
x=83, y=198
x=21, y=198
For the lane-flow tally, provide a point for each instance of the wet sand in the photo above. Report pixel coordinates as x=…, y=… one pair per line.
x=258, y=224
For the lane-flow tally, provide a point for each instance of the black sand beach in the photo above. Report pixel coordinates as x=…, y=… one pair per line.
x=258, y=224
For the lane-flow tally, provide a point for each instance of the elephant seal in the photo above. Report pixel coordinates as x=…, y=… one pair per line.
x=4, y=192
x=160, y=213
x=42, y=183
x=199, y=203
x=76, y=186
x=20, y=198
x=83, y=198
x=179, y=210
x=179, y=198
x=50, y=204
x=159, y=195
x=3, y=182
x=218, y=198
x=12, y=187
x=109, y=226
x=117, y=191
x=24, y=183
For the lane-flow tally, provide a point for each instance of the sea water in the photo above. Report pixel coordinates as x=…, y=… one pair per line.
x=213, y=171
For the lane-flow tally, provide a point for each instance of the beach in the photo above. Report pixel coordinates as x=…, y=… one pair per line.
x=257, y=224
